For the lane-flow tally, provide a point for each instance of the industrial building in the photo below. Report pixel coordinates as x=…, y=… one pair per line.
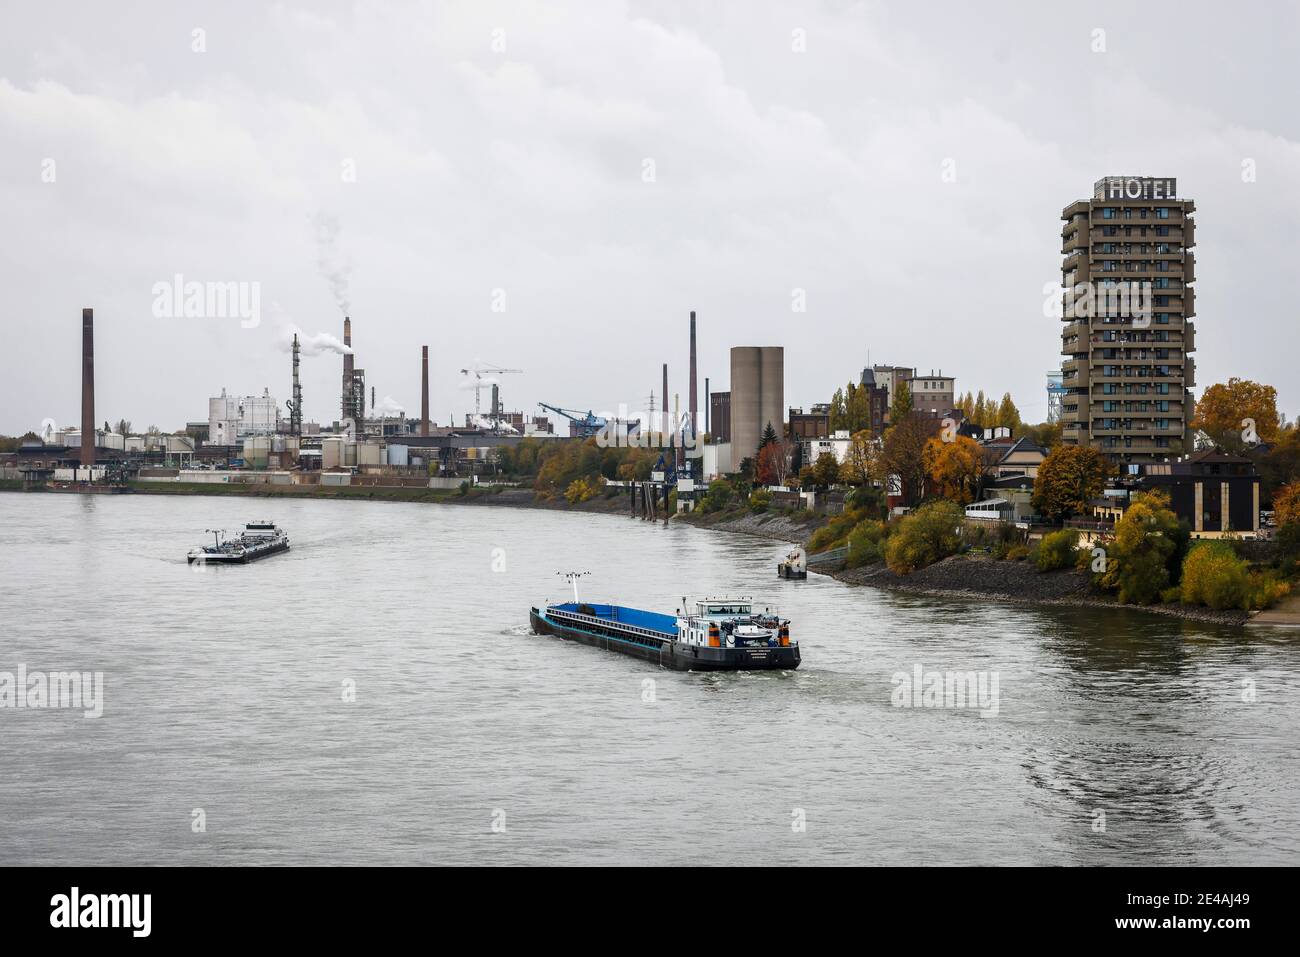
x=720, y=416
x=232, y=418
x=1128, y=335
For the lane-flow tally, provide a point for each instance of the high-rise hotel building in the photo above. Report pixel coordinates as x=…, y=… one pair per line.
x=1128, y=336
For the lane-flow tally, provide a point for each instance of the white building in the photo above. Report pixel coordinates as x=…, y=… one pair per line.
x=232, y=418
x=837, y=445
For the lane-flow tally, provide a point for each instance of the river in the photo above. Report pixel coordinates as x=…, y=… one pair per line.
x=374, y=696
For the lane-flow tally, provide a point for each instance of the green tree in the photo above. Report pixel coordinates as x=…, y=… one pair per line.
x=902, y=405
x=1008, y=416
x=826, y=470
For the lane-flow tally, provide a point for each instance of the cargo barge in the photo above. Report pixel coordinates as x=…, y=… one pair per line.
x=258, y=540
x=720, y=634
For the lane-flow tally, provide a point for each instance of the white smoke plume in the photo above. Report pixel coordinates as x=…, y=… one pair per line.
x=321, y=342
x=330, y=260
x=388, y=406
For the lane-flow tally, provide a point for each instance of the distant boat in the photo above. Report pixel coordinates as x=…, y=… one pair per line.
x=720, y=634
x=258, y=540
x=794, y=567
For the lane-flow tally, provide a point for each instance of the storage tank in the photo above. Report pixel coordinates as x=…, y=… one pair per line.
x=331, y=453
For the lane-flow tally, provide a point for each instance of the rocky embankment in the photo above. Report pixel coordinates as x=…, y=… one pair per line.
x=776, y=527
x=985, y=578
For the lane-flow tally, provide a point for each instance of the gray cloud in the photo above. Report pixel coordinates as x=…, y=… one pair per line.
x=524, y=171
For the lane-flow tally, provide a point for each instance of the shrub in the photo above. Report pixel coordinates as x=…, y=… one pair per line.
x=1057, y=549
x=462, y=488
x=1017, y=553
x=718, y=496
x=1146, y=544
x=759, y=500
x=580, y=490
x=834, y=533
x=1213, y=575
x=928, y=534
x=866, y=543
x=1266, y=589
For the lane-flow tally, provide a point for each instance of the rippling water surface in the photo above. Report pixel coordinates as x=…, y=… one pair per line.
x=224, y=691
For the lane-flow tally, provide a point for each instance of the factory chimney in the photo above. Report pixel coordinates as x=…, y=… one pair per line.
x=707, y=404
x=665, y=427
x=690, y=399
x=347, y=368
x=424, y=391
x=295, y=407
x=87, y=387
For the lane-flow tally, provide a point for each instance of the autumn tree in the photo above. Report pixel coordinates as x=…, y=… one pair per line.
x=903, y=453
x=860, y=464
x=1286, y=504
x=773, y=464
x=1238, y=414
x=1070, y=477
x=954, y=469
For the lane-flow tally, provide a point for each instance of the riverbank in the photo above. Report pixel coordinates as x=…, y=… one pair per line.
x=967, y=577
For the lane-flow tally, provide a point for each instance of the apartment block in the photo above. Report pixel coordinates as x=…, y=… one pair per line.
x=932, y=395
x=1127, y=333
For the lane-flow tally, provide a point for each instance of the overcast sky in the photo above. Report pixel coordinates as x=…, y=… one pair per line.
x=610, y=167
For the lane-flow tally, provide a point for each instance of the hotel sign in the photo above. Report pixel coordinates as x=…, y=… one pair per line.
x=1136, y=187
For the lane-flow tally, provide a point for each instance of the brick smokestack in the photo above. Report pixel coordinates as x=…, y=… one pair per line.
x=424, y=391
x=88, y=387
x=690, y=401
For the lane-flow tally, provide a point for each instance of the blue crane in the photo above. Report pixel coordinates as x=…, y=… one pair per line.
x=586, y=424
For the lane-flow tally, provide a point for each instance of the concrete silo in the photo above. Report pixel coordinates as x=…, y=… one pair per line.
x=757, y=397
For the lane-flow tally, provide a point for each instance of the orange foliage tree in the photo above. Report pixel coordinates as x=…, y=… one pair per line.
x=1238, y=414
x=954, y=469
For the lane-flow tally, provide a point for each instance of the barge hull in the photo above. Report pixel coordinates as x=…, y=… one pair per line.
x=241, y=560
x=671, y=654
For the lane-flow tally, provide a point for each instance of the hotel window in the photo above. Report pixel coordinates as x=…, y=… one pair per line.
x=1109, y=212
x=1162, y=212
x=1162, y=405
x=1162, y=230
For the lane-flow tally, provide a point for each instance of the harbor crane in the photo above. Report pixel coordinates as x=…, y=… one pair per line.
x=586, y=424
x=478, y=382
